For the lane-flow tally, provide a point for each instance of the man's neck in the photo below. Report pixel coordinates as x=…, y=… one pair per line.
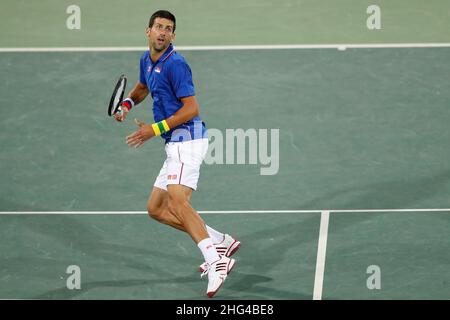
x=155, y=55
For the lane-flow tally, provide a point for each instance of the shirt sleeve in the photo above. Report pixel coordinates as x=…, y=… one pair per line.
x=142, y=70
x=181, y=79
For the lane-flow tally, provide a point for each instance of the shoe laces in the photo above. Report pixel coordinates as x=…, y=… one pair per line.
x=206, y=270
x=218, y=266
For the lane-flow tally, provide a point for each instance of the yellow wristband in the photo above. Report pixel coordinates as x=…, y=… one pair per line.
x=160, y=127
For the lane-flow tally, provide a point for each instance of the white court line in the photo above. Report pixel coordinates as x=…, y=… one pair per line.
x=226, y=211
x=234, y=47
x=321, y=255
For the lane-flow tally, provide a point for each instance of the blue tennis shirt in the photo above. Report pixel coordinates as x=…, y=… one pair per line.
x=169, y=79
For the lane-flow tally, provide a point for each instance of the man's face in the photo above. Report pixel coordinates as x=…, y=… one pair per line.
x=160, y=34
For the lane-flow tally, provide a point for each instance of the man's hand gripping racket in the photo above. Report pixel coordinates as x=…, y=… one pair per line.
x=116, y=107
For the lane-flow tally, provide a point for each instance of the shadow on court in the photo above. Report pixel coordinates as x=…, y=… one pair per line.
x=96, y=240
x=64, y=293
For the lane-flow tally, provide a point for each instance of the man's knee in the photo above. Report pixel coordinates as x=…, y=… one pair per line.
x=177, y=205
x=174, y=205
x=154, y=211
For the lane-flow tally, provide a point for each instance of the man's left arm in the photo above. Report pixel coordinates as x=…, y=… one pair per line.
x=188, y=111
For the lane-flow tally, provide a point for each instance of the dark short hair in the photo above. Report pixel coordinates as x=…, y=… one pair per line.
x=162, y=14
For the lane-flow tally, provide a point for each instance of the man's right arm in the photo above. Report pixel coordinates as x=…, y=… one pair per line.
x=137, y=94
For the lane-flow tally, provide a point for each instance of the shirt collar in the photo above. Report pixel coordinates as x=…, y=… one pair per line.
x=164, y=56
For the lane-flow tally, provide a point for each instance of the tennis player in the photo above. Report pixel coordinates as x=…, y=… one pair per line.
x=165, y=74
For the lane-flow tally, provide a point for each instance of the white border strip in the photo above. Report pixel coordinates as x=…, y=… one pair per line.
x=223, y=211
x=321, y=255
x=342, y=46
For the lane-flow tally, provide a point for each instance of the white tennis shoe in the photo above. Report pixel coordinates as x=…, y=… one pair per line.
x=217, y=273
x=226, y=248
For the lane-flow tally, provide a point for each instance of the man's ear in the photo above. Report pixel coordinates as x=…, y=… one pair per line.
x=173, y=37
x=147, y=31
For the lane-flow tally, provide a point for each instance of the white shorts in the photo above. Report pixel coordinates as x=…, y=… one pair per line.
x=183, y=162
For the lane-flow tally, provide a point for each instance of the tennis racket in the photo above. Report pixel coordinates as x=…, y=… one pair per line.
x=117, y=96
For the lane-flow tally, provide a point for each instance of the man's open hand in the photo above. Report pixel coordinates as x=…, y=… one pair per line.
x=137, y=138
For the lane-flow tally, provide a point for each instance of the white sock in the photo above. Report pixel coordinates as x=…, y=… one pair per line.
x=216, y=236
x=208, y=250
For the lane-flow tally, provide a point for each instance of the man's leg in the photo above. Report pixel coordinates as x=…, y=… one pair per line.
x=180, y=206
x=157, y=204
x=158, y=209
